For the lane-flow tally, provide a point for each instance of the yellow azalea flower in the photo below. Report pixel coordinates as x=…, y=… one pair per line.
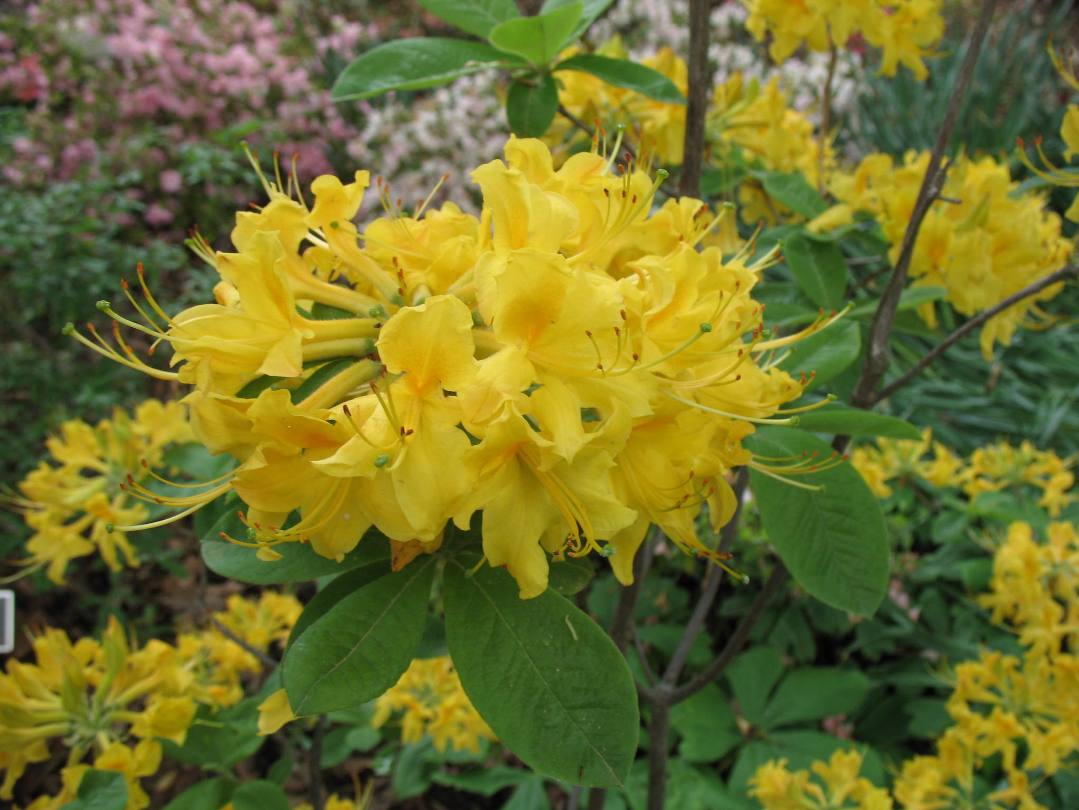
x=75, y=500
x=429, y=701
x=905, y=30
x=527, y=365
x=986, y=242
x=833, y=785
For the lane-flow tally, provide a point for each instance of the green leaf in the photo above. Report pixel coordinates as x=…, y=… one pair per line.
x=911, y=298
x=531, y=105
x=624, y=73
x=794, y=191
x=752, y=676
x=100, y=790
x=220, y=739
x=211, y=794
x=259, y=795
x=813, y=693
x=412, y=64
x=841, y=420
x=707, y=726
x=538, y=39
x=545, y=677
x=486, y=782
x=530, y=795
x=828, y=352
x=592, y=10
x=340, y=743
x=571, y=575
x=800, y=748
x=360, y=646
x=298, y=563
x=819, y=269
x=833, y=539
x=334, y=592
x=477, y=17
x=412, y=772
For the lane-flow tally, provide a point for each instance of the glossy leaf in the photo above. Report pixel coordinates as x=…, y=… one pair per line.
x=531, y=105
x=572, y=575
x=624, y=73
x=477, y=17
x=826, y=353
x=819, y=269
x=334, y=592
x=841, y=420
x=545, y=677
x=538, y=39
x=359, y=647
x=412, y=64
x=832, y=539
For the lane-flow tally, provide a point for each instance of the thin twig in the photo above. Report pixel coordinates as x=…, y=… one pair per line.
x=1031, y=289
x=235, y=639
x=878, y=356
x=737, y=639
x=700, y=85
x=591, y=133
x=826, y=115
x=650, y=675
x=315, y=790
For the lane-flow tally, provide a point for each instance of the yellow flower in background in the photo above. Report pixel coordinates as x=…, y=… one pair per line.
x=428, y=701
x=982, y=240
x=517, y=364
x=95, y=697
x=833, y=785
x=75, y=500
x=904, y=30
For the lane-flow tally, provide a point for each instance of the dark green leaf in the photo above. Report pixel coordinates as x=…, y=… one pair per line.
x=211, y=794
x=360, y=646
x=752, y=676
x=911, y=298
x=707, y=726
x=571, y=575
x=813, y=693
x=530, y=795
x=819, y=269
x=477, y=17
x=547, y=679
x=412, y=773
x=486, y=782
x=334, y=592
x=412, y=64
x=298, y=563
x=100, y=790
x=833, y=539
x=845, y=421
x=538, y=39
x=340, y=743
x=220, y=739
x=259, y=795
x=794, y=191
x=624, y=73
x=531, y=105
x=827, y=352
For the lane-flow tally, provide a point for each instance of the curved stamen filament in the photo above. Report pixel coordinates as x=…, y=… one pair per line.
x=107, y=351
x=728, y=414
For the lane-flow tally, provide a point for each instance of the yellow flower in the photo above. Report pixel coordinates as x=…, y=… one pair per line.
x=526, y=365
x=275, y=712
x=432, y=703
x=76, y=500
x=837, y=786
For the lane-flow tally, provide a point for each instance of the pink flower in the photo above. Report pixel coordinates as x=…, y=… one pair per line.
x=171, y=181
x=157, y=215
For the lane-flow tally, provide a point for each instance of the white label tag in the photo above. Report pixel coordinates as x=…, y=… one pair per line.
x=7, y=621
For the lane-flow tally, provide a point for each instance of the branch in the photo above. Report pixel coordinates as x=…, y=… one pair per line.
x=879, y=355
x=591, y=133
x=315, y=790
x=1032, y=289
x=700, y=84
x=737, y=640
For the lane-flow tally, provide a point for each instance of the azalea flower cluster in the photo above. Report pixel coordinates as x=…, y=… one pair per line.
x=905, y=31
x=429, y=701
x=982, y=240
x=110, y=702
x=571, y=364
x=76, y=501
x=1022, y=713
x=992, y=468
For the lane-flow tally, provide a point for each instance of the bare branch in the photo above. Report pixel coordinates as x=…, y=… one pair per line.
x=879, y=354
x=1031, y=289
x=700, y=87
x=235, y=639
